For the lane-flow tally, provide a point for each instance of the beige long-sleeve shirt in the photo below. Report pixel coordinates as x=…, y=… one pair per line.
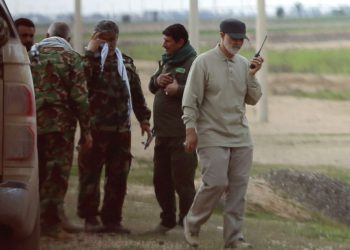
x=214, y=99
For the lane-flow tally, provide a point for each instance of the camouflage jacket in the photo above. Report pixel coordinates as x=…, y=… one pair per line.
x=60, y=91
x=109, y=96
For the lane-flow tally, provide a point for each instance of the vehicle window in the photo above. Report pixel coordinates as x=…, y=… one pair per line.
x=4, y=15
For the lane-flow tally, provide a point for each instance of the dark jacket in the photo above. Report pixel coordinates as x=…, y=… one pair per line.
x=167, y=110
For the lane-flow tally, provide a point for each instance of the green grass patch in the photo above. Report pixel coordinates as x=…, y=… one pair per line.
x=325, y=231
x=272, y=232
x=141, y=172
x=335, y=172
x=151, y=52
x=74, y=170
x=307, y=24
x=324, y=95
x=330, y=61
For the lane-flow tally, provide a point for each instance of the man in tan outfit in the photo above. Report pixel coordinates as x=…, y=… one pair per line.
x=220, y=83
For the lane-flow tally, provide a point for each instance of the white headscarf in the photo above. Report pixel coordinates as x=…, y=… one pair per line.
x=121, y=69
x=53, y=41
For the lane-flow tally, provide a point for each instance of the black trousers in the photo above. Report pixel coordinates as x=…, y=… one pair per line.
x=174, y=171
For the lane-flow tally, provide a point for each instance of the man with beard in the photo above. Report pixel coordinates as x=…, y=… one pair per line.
x=220, y=83
x=26, y=31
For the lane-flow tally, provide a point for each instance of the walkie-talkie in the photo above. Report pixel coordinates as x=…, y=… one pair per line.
x=252, y=66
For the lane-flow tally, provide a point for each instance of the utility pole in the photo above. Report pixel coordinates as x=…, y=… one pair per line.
x=194, y=24
x=261, y=32
x=77, y=28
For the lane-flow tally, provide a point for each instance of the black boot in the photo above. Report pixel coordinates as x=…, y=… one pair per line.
x=93, y=225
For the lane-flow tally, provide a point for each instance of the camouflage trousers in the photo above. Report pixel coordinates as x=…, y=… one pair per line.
x=55, y=154
x=112, y=150
x=174, y=171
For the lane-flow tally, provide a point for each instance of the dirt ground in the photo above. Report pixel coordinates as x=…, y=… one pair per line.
x=300, y=131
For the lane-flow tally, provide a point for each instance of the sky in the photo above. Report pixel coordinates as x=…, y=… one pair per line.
x=50, y=7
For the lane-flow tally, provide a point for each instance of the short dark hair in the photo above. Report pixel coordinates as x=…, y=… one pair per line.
x=24, y=22
x=59, y=29
x=107, y=26
x=176, y=31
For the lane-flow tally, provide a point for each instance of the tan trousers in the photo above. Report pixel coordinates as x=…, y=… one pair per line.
x=224, y=170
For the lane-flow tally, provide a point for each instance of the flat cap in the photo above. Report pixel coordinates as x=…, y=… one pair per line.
x=234, y=28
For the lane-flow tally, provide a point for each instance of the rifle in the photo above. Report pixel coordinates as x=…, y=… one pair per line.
x=149, y=139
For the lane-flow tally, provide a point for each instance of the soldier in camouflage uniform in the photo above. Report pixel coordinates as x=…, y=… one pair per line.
x=61, y=100
x=114, y=90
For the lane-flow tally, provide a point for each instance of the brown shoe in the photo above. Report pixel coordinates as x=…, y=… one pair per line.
x=72, y=227
x=68, y=226
x=192, y=238
x=160, y=229
x=93, y=225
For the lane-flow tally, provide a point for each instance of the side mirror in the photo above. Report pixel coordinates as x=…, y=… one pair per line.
x=4, y=32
